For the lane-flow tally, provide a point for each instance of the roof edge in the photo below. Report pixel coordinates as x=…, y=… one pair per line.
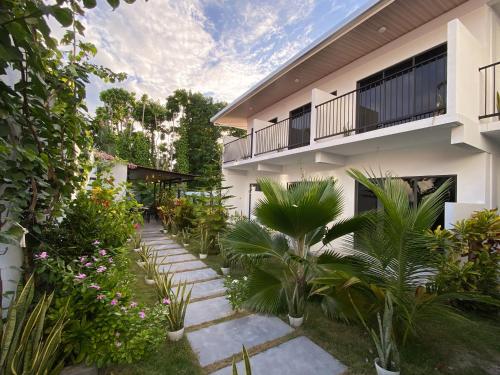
x=371, y=8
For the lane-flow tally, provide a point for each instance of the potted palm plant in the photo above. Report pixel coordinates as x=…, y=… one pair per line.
x=177, y=311
x=185, y=237
x=289, y=221
x=296, y=302
x=136, y=242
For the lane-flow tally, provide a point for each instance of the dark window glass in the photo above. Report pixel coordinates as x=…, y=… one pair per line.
x=299, y=126
x=408, y=91
x=418, y=188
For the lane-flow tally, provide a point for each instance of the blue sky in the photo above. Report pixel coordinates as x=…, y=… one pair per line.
x=220, y=48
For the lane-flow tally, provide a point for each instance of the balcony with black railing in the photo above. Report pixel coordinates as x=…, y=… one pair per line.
x=286, y=134
x=490, y=81
x=413, y=92
x=238, y=149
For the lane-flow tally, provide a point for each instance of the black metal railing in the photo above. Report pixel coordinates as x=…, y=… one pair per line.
x=289, y=133
x=490, y=81
x=238, y=149
x=414, y=93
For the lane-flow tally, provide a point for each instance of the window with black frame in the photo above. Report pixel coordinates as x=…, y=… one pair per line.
x=418, y=188
x=299, y=130
x=410, y=90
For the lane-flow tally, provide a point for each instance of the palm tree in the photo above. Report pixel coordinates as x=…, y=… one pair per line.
x=289, y=222
x=391, y=253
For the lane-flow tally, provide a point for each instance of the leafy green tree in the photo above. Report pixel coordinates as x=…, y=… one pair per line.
x=197, y=150
x=44, y=131
x=117, y=113
x=134, y=147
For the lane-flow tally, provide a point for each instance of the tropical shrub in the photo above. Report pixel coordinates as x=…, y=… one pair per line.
x=469, y=255
x=290, y=221
x=28, y=345
x=104, y=324
x=392, y=252
x=104, y=212
x=236, y=291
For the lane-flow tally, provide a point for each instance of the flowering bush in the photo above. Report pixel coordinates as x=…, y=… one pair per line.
x=236, y=291
x=105, y=212
x=105, y=324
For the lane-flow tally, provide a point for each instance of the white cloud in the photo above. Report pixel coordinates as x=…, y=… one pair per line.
x=211, y=46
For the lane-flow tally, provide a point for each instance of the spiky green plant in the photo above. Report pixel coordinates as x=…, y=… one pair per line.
x=246, y=362
x=289, y=222
x=27, y=346
x=145, y=253
x=178, y=306
x=204, y=242
x=163, y=285
x=150, y=266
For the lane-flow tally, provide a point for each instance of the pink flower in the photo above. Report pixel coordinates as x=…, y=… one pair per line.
x=137, y=226
x=118, y=295
x=110, y=260
x=81, y=276
x=101, y=269
x=94, y=286
x=165, y=301
x=142, y=314
x=100, y=296
x=113, y=302
x=42, y=255
x=83, y=259
x=96, y=242
x=133, y=304
x=88, y=264
x=102, y=252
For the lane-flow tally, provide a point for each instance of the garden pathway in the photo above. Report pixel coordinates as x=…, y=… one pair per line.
x=216, y=334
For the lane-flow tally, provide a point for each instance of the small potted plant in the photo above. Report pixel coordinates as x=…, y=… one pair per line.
x=150, y=270
x=185, y=237
x=236, y=292
x=225, y=266
x=144, y=254
x=387, y=362
x=136, y=241
x=163, y=286
x=204, y=242
x=296, y=305
x=177, y=311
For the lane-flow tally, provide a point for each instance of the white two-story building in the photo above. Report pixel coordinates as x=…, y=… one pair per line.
x=404, y=86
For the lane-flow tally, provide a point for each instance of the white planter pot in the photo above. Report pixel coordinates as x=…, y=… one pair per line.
x=141, y=264
x=149, y=281
x=383, y=371
x=185, y=244
x=164, y=231
x=137, y=249
x=203, y=256
x=295, y=322
x=173, y=235
x=176, y=335
x=225, y=270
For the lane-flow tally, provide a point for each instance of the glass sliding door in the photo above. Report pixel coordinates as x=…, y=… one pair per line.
x=410, y=90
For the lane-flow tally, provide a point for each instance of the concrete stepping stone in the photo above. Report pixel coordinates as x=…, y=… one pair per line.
x=193, y=276
x=163, y=245
x=169, y=252
x=183, y=266
x=295, y=357
x=207, y=311
x=153, y=236
x=223, y=340
x=185, y=257
x=160, y=242
x=207, y=289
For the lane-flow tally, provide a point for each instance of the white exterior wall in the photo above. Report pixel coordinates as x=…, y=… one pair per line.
x=472, y=15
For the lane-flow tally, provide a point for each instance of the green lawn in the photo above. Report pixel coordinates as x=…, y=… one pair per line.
x=460, y=348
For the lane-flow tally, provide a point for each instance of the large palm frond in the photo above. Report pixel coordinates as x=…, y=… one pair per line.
x=301, y=209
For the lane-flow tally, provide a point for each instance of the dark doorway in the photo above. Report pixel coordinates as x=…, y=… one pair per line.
x=299, y=129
